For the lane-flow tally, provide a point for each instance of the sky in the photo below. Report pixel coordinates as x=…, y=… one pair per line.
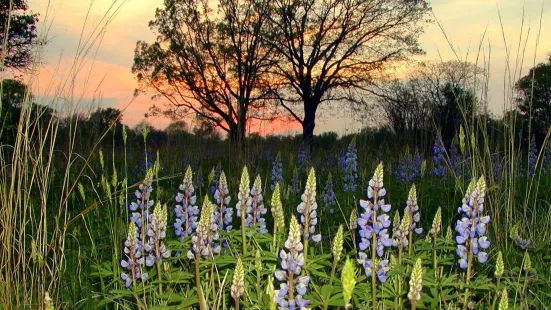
x=101, y=74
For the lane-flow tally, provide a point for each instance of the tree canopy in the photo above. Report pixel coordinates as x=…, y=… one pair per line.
x=534, y=99
x=326, y=48
x=20, y=28
x=207, y=62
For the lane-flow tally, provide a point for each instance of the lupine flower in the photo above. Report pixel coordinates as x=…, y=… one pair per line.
x=256, y=209
x=500, y=266
x=396, y=220
x=351, y=168
x=237, y=288
x=401, y=231
x=134, y=261
x=243, y=197
x=295, y=182
x=140, y=208
x=277, y=171
x=214, y=179
x=497, y=167
x=156, y=231
x=277, y=208
x=415, y=282
x=408, y=167
x=308, y=209
x=223, y=214
x=341, y=160
x=329, y=196
x=438, y=158
x=520, y=242
x=471, y=228
x=303, y=158
x=449, y=235
x=291, y=291
x=186, y=211
x=527, y=264
x=353, y=222
x=436, y=223
x=455, y=161
x=348, y=279
x=374, y=224
x=270, y=291
x=504, y=301
x=204, y=242
x=337, y=247
x=547, y=159
x=532, y=158
x=413, y=209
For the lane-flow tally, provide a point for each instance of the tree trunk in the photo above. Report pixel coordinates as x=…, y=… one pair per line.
x=237, y=135
x=309, y=122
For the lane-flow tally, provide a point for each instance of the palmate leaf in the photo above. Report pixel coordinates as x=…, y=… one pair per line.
x=180, y=276
x=103, y=270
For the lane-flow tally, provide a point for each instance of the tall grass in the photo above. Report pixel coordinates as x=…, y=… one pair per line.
x=62, y=210
x=38, y=181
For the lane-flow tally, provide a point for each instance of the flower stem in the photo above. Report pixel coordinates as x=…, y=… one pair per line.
x=468, y=275
x=202, y=304
x=326, y=301
x=243, y=237
x=158, y=263
x=373, y=258
x=434, y=258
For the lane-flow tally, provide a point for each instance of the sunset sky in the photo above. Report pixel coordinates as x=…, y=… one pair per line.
x=104, y=77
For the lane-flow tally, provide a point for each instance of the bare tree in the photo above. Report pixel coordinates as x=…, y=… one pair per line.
x=207, y=63
x=436, y=95
x=328, y=47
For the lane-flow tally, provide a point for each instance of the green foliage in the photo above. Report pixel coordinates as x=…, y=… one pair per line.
x=534, y=90
x=20, y=28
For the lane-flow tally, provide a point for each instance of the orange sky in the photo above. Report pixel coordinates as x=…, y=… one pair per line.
x=104, y=68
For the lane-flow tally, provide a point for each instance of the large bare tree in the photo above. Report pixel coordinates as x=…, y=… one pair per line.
x=208, y=60
x=330, y=47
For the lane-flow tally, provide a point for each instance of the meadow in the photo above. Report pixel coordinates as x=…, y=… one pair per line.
x=186, y=222
x=96, y=215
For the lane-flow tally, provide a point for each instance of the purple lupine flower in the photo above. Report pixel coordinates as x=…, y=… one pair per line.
x=329, y=195
x=156, y=231
x=308, y=209
x=244, y=200
x=215, y=179
x=277, y=171
x=134, y=261
x=408, y=167
x=341, y=160
x=413, y=209
x=374, y=223
x=295, y=183
x=471, y=228
x=205, y=240
x=522, y=243
x=256, y=209
x=455, y=160
x=532, y=158
x=139, y=210
x=291, y=291
x=438, y=158
x=497, y=167
x=186, y=211
x=223, y=214
x=303, y=158
x=547, y=160
x=351, y=168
